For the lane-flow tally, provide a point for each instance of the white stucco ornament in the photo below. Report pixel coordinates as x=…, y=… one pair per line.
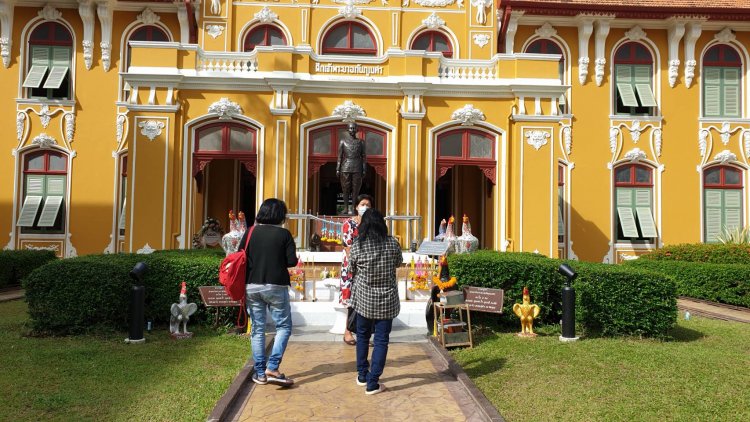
x=613, y=132
x=537, y=138
x=674, y=71
x=635, y=130
x=635, y=33
x=481, y=39
x=568, y=139
x=635, y=154
x=215, y=30
x=599, y=70
x=106, y=54
x=726, y=156
x=49, y=13
x=350, y=11
x=44, y=141
x=225, y=109
x=726, y=132
x=746, y=142
x=70, y=126
x=151, y=128
x=145, y=250
x=215, y=7
x=481, y=6
x=689, y=72
x=148, y=17
x=20, y=125
x=433, y=21
x=657, y=141
x=546, y=31
x=266, y=15
x=703, y=142
x=726, y=35
x=348, y=111
x=431, y=3
x=468, y=115
x=119, y=127
x=5, y=51
x=45, y=115
x=583, y=69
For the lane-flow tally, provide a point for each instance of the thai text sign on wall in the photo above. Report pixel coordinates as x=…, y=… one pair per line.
x=357, y=69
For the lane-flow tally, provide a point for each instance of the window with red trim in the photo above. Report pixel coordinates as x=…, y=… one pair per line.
x=722, y=201
x=466, y=147
x=44, y=192
x=722, y=177
x=265, y=36
x=49, y=64
x=149, y=33
x=350, y=38
x=633, y=175
x=433, y=41
x=225, y=140
x=633, y=80
x=722, y=82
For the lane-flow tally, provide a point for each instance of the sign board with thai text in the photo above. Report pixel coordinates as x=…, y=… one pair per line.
x=216, y=296
x=433, y=248
x=482, y=299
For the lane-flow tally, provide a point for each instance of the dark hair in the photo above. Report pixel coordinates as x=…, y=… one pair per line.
x=272, y=211
x=372, y=226
x=364, y=196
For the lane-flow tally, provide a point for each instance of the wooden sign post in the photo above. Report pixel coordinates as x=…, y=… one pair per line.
x=215, y=296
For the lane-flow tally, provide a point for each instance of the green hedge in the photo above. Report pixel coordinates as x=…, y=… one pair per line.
x=75, y=295
x=725, y=283
x=700, y=252
x=15, y=265
x=610, y=300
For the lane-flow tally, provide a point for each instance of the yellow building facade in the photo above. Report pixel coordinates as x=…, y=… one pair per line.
x=573, y=132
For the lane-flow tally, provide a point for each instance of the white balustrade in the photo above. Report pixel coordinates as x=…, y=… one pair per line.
x=227, y=62
x=468, y=70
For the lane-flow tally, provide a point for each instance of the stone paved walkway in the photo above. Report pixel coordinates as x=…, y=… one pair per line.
x=714, y=310
x=419, y=388
x=11, y=294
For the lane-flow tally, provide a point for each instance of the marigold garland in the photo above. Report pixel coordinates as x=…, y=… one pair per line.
x=443, y=285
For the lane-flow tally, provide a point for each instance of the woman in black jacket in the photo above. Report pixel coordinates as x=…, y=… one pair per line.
x=270, y=252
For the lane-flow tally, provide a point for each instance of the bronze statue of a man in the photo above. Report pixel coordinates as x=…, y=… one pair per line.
x=351, y=165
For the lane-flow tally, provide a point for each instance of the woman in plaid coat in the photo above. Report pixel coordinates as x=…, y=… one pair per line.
x=373, y=261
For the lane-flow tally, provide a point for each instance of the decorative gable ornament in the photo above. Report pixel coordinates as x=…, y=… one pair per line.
x=725, y=156
x=726, y=35
x=433, y=3
x=44, y=141
x=151, y=128
x=537, y=138
x=148, y=17
x=215, y=7
x=225, y=109
x=50, y=13
x=546, y=31
x=433, y=21
x=348, y=111
x=266, y=15
x=349, y=11
x=635, y=155
x=635, y=33
x=468, y=115
x=215, y=30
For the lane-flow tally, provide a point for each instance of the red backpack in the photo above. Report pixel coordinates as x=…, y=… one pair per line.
x=233, y=270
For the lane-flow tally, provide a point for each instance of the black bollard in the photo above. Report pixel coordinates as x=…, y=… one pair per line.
x=137, y=301
x=568, y=304
x=137, y=304
x=569, y=312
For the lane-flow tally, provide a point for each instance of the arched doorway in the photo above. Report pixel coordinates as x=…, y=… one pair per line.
x=224, y=167
x=324, y=195
x=466, y=174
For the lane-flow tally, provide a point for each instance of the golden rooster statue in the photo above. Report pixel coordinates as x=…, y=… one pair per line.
x=526, y=311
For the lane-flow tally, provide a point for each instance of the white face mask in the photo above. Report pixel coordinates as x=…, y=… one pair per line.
x=361, y=210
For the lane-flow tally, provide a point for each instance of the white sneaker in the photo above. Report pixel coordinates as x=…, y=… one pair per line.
x=380, y=389
x=361, y=383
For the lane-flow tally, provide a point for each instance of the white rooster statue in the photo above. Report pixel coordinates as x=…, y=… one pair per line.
x=181, y=314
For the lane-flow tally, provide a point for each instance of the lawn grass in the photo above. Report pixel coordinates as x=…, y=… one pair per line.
x=702, y=375
x=102, y=378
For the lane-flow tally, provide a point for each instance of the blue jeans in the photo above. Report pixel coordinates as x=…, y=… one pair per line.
x=382, y=330
x=275, y=298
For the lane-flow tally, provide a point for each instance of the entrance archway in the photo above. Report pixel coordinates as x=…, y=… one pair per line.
x=324, y=188
x=224, y=167
x=466, y=174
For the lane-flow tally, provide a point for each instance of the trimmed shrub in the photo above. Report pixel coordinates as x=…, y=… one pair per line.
x=75, y=295
x=610, y=300
x=700, y=252
x=725, y=283
x=15, y=265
